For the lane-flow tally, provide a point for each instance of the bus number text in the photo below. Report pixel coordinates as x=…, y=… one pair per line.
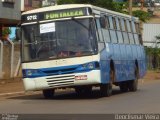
x=32, y=17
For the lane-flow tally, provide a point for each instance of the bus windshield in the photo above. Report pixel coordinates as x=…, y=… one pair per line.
x=58, y=39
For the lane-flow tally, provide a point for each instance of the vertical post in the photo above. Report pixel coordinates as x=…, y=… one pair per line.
x=22, y=5
x=12, y=57
x=1, y=59
x=142, y=4
x=17, y=67
x=56, y=2
x=130, y=7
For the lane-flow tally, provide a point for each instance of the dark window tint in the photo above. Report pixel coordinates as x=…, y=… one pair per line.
x=125, y=35
x=112, y=29
x=99, y=30
x=119, y=32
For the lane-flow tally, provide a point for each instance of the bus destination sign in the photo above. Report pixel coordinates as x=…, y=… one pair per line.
x=55, y=14
x=63, y=14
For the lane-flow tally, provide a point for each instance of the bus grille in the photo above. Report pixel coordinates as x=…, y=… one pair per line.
x=60, y=71
x=60, y=81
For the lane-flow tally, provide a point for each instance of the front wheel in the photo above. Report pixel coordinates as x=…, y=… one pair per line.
x=48, y=94
x=106, y=89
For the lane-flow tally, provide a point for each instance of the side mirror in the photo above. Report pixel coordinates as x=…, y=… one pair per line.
x=103, y=22
x=18, y=33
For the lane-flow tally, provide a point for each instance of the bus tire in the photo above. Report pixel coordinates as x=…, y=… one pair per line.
x=133, y=84
x=106, y=89
x=123, y=87
x=48, y=94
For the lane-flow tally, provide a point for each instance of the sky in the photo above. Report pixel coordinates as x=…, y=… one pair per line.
x=13, y=33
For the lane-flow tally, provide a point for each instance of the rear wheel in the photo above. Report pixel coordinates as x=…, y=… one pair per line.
x=48, y=94
x=133, y=84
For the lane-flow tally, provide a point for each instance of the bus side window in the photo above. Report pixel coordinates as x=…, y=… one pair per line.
x=112, y=29
x=105, y=30
x=130, y=23
x=135, y=30
x=119, y=28
x=124, y=31
x=100, y=25
x=131, y=38
x=99, y=30
x=102, y=21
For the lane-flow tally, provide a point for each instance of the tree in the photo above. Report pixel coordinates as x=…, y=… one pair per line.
x=5, y=32
x=142, y=15
x=158, y=38
x=66, y=2
x=108, y=4
x=154, y=53
x=119, y=7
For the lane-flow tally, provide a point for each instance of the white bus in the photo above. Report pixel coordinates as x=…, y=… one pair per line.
x=80, y=46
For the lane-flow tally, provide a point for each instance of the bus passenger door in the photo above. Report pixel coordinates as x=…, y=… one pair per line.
x=103, y=51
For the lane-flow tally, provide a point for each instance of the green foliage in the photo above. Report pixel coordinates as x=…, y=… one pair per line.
x=154, y=51
x=60, y=2
x=151, y=51
x=111, y=5
x=108, y=4
x=143, y=16
x=6, y=31
x=66, y=2
x=118, y=6
x=158, y=44
x=158, y=37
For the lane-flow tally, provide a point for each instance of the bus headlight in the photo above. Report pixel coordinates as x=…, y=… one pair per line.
x=91, y=66
x=31, y=73
x=88, y=66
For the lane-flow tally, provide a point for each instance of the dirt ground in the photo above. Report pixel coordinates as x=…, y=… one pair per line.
x=11, y=85
x=16, y=85
x=152, y=75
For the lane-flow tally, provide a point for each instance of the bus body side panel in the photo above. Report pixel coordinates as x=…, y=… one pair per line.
x=106, y=55
x=139, y=60
x=117, y=62
x=135, y=56
x=104, y=65
x=142, y=63
x=130, y=63
x=139, y=55
x=134, y=52
x=122, y=70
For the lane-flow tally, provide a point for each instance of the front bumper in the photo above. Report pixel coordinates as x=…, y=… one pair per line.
x=60, y=81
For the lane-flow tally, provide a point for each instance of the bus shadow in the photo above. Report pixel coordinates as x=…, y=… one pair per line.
x=95, y=94
x=69, y=95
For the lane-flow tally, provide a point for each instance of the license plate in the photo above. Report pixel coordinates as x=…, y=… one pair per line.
x=81, y=77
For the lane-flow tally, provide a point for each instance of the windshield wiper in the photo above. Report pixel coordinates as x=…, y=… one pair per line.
x=79, y=23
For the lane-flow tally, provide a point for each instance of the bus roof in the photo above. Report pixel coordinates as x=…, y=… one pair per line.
x=70, y=6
